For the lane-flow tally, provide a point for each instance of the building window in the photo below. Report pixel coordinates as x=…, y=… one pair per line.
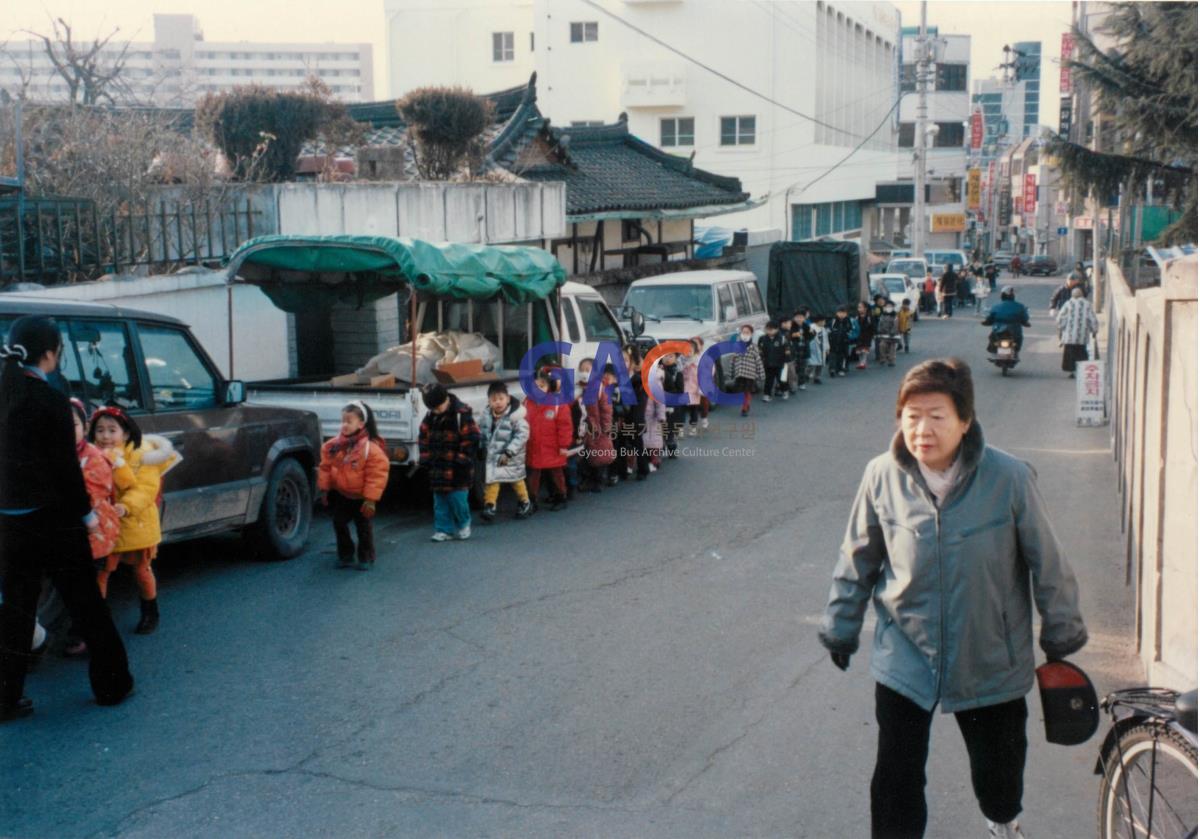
x=677, y=131
x=831, y=218
x=907, y=134
x=584, y=32
x=737, y=131
x=951, y=77
x=502, y=46
x=531, y=42
x=949, y=135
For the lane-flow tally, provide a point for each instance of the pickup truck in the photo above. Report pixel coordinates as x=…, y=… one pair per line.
x=452, y=292
x=245, y=467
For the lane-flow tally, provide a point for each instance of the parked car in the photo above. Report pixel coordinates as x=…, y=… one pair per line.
x=245, y=467
x=939, y=259
x=1039, y=266
x=912, y=267
x=897, y=288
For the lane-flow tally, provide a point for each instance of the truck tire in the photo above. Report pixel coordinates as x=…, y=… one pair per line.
x=286, y=514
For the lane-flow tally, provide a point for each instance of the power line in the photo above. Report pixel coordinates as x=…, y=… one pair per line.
x=714, y=71
x=853, y=151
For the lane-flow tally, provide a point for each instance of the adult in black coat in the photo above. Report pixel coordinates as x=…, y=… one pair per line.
x=45, y=515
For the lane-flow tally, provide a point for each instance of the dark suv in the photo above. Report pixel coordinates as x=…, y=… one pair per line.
x=1039, y=266
x=244, y=467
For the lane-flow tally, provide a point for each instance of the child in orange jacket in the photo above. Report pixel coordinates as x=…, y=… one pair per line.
x=351, y=479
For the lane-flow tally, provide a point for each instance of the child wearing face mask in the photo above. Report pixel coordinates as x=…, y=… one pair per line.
x=888, y=333
x=748, y=371
x=841, y=342
x=697, y=407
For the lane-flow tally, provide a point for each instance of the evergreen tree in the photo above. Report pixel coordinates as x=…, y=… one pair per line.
x=1146, y=86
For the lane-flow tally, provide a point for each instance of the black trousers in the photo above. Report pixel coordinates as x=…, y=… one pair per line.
x=344, y=511
x=772, y=379
x=995, y=738
x=36, y=546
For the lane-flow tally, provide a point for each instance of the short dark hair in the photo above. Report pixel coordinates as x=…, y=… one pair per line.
x=906, y=302
x=434, y=395
x=950, y=376
x=772, y=324
x=842, y=308
x=818, y=318
x=497, y=387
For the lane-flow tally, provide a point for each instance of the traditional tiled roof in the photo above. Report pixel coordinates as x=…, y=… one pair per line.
x=608, y=169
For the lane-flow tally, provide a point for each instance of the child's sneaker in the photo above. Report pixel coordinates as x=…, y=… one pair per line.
x=560, y=503
x=525, y=509
x=488, y=513
x=365, y=564
x=345, y=562
x=766, y=398
x=805, y=387
x=704, y=423
x=439, y=536
x=464, y=534
x=786, y=394
x=653, y=468
x=691, y=431
x=816, y=381
x=745, y=412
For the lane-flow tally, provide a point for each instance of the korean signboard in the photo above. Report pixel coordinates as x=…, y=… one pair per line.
x=1064, y=117
x=1089, y=393
x=1030, y=193
x=977, y=129
x=947, y=222
x=974, y=189
x=1064, y=73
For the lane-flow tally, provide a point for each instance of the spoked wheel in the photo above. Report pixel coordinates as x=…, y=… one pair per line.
x=1149, y=789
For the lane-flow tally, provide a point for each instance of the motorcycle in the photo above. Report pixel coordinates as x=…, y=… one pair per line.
x=1002, y=350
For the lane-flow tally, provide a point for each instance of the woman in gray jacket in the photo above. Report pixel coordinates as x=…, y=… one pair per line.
x=951, y=541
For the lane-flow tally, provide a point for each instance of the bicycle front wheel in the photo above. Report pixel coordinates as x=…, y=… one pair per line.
x=1149, y=787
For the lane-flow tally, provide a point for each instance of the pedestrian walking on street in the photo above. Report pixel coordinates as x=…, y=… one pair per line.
x=947, y=291
x=904, y=321
x=1077, y=326
x=598, y=449
x=139, y=464
x=45, y=520
x=864, y=336
x=670, y=368
x=776, y=351
x=697, y=406
x=800, y=335
x=505, y=435
x=991, y=272
x=748, y=371
x=818, y=350
x=888, y=334
x=449, y=441
x=982, y=292
x=929, y=294
x=351, y=479
x=951, y=541
x=841, y=342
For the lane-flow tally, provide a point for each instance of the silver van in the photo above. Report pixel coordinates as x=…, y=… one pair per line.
x=710, y=304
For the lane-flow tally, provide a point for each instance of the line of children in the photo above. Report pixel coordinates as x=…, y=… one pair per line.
x=775, y=349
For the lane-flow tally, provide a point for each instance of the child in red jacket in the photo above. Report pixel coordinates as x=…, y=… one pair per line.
x=550, y=436
x=351, y=479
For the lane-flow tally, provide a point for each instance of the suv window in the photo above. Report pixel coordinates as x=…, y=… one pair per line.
x=724, y=301
x=179, y=379
x=598, y=324
x=572, y=324
x=756, y=301
x=109, y=374
x=743, y=301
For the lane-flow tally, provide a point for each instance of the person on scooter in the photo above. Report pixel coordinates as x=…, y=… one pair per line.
x=1008, y=316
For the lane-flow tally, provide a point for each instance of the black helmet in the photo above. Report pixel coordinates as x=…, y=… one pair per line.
x=1008, y=293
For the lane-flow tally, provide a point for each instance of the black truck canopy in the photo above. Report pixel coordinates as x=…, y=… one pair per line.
x=821, y=275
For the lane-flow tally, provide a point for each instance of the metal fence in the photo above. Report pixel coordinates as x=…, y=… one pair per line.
x=59, y=240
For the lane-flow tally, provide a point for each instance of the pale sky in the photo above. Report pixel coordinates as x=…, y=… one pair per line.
x=990, y=24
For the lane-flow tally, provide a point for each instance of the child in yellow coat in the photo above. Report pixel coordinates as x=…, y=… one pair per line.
x=139, y=463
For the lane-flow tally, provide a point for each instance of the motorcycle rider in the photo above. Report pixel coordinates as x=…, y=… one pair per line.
x=1008, y=316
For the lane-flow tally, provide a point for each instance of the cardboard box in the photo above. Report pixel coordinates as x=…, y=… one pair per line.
x=457, y=371
x=383, y=381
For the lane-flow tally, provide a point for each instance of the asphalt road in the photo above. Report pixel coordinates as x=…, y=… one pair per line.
x=643, y=664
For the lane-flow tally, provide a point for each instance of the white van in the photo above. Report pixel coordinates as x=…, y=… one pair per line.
x=939, y=259
x=710, y=304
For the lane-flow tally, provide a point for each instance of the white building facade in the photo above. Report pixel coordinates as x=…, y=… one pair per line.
x=804, y=84
x=179, y=66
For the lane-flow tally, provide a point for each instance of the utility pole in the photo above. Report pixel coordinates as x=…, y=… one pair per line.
x=918, y=222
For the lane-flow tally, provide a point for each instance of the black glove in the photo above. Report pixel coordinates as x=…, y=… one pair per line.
x=840, y=660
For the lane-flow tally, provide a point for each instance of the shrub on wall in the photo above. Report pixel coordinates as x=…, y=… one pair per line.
x=261, y=131
x=445, y=126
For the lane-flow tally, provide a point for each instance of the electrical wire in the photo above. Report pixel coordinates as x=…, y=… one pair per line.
x=717, y=72
x=853, y=151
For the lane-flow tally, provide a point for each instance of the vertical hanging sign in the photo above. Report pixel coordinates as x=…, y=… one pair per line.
x=977, y=129
x=1030, y=192
x=1064, y=69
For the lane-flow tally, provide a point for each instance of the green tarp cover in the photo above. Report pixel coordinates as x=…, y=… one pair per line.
x=365, y=268
x=819, y=275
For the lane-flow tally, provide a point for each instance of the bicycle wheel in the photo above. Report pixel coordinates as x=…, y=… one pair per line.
x=1149, y=786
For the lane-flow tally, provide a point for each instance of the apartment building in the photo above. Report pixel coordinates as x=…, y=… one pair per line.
x=179, y=66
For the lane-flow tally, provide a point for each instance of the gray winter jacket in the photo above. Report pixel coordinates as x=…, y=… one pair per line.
x=505, y=436
x=953, y=587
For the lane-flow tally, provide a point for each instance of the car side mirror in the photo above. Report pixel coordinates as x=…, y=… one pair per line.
x=730, y=313
x=235, y=393
x=637, y=322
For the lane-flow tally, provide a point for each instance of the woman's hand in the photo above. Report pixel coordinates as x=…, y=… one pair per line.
x=121, y=509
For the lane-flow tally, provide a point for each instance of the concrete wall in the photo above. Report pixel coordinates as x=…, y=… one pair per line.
x=1152, y=377
x=435, y=211
x=199, y=299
